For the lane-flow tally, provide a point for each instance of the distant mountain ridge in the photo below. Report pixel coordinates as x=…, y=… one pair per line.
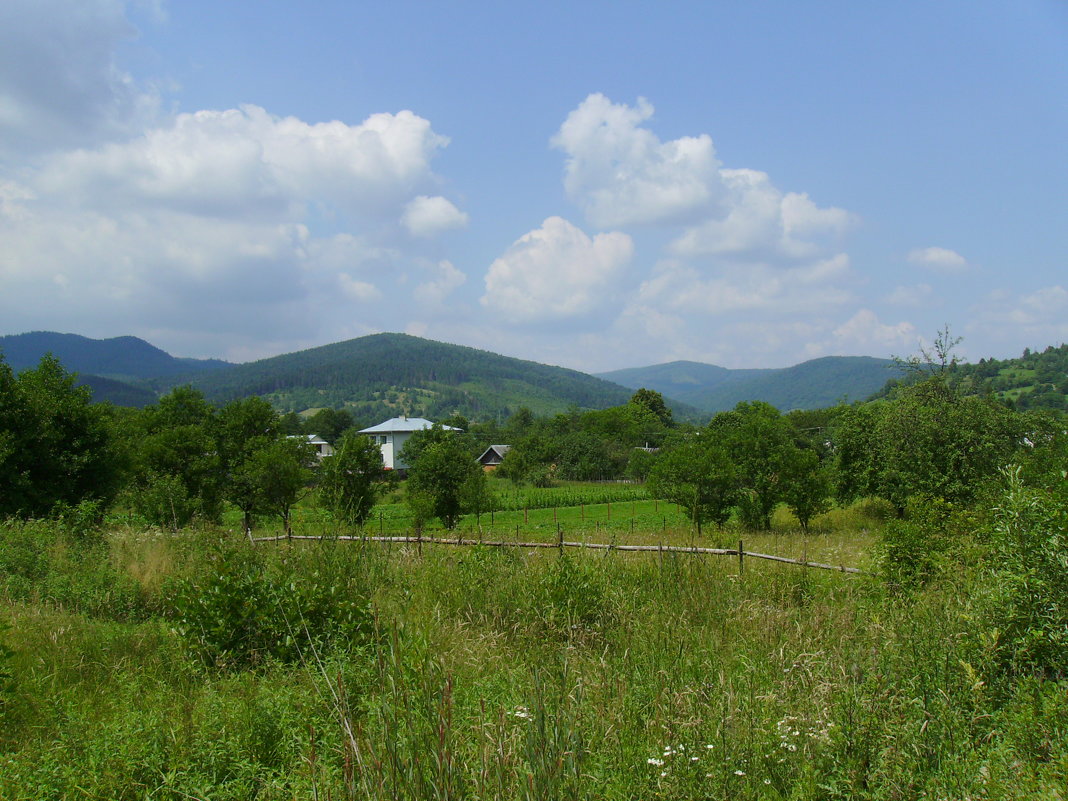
x=814, y=384
x=118, y=358
x=383, y=375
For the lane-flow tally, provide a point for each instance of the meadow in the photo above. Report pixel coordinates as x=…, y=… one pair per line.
x=144, y=664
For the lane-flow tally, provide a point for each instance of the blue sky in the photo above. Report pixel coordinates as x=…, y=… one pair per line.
x=596, y=185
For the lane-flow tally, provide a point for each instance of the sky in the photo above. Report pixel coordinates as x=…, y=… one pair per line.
x=596, y=185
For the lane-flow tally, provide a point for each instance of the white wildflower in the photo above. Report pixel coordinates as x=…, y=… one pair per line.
x=655, y=761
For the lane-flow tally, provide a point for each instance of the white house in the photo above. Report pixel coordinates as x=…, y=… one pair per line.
x=321, y=446
x=391, y=435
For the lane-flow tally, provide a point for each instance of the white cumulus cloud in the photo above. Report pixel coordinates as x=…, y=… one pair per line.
x=428, y=216
x=622, y=174
x=556, y=271
x=762, y=223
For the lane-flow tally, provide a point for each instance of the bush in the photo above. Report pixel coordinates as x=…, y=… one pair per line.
x=1025, y=610
x=238, y=610
x=934, y=535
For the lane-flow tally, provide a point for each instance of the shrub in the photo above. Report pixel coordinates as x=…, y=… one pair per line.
x=1025, y=610
x=238, y=610
x=933, y=535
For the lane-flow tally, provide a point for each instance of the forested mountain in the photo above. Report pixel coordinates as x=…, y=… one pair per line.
x=126, y=359
x=810, y=385
x=382, y=375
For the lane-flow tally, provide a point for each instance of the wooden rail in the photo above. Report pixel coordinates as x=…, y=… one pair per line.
x=740, y=552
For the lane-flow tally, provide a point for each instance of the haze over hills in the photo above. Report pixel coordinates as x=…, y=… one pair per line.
x=810, y=385
x=118, y=358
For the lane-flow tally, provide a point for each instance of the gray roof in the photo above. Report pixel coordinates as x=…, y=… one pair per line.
x=499, y=450
x=398, y=425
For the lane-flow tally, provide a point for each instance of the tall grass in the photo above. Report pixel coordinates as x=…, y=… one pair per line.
x=498, y=673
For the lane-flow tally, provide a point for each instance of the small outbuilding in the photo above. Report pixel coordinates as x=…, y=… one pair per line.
x=492, y=457
x=391, y=435
x=321, y=446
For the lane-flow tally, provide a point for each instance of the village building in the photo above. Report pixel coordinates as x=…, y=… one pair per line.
x=391, y=435
x=321, y=446
x=492, y=457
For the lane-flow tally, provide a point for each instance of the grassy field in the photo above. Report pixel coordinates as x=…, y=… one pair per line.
x=194, y=665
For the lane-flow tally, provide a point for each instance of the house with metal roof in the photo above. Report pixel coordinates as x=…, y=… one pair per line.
x=391, y=435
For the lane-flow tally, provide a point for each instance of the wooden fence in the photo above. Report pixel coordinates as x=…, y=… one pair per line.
x=561, y=543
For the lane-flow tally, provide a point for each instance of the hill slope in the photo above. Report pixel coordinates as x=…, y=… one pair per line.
x=810, y=385
x=386, y=374
x=125, y=359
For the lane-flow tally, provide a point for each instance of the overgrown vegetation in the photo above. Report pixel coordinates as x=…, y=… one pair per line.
x=150, y=649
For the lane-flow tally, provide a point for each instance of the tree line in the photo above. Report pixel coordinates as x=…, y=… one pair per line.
x=183, y=458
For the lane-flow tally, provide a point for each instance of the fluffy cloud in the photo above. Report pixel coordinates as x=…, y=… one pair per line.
x=763, y=224
x=556, y=271
x=622, y=174
x=428, y=216
x=215, y=220
x=938, y=259
x=801, y=290
x=247, y=163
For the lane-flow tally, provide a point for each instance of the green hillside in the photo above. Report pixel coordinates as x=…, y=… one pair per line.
x=387, y=374
x=814, y=384
x=1034, y=380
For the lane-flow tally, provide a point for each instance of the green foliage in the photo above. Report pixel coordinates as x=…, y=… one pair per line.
x=350, y=479
x=652, y=402
x=444, y=481
x=759, y=442
x=44, y=561
x=700, y=477
x=807, y=485
x=329, y=424
x=56, y=447
x=571, y=595
x=934, y=538
x=177, y=473
x=243, y=611
x=927, y=440
x=281, y=471
x=1025, y=607
x=6, y=676
x=245, y=428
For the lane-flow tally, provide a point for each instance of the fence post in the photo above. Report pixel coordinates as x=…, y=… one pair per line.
x=741, y=558
x=559, y=538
